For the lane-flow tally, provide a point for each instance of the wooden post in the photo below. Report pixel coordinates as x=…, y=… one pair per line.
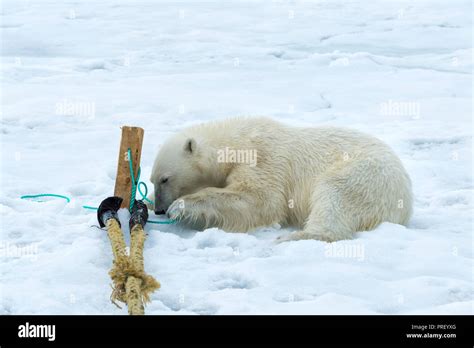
x=132, y=137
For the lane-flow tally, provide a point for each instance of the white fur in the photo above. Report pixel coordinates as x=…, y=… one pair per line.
x=327, y=181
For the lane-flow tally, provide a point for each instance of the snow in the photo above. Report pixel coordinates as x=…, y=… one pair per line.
x=74, y=72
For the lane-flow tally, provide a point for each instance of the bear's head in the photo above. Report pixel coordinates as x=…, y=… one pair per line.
x=183, y=166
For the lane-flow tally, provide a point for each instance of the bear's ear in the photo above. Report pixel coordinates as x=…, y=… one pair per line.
x=190, y=145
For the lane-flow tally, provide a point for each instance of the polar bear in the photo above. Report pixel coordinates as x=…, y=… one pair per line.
x=242, y=173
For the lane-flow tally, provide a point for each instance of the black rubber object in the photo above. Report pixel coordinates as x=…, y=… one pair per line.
x=108, y=210
x=139, y=214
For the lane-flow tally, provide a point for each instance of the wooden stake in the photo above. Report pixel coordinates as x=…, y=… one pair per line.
x=132, y=137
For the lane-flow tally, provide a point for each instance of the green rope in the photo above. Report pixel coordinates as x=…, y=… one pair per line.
x=45, y=195
x=132, y=176
x=144, y=195
x=136, y=185
x=89, y=207
x=164, y=222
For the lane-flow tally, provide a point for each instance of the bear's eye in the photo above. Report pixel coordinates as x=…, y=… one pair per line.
x=164, y=180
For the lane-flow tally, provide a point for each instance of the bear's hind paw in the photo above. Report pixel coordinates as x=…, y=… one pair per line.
x=304, y=235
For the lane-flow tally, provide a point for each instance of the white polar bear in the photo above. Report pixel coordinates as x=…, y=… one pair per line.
x=242, y=173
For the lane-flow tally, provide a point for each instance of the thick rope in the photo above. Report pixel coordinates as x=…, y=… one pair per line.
x=137, y=243
x=131, y=285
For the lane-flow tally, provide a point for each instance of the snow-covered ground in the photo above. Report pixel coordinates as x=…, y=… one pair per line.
x=73, y=72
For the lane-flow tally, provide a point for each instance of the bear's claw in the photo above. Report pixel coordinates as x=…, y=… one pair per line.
x=175, y=211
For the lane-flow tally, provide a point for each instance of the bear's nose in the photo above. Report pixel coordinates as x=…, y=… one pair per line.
x=159, y=212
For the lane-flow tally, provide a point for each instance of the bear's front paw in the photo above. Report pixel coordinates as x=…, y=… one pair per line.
x=192, y=208
x=176, y=210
